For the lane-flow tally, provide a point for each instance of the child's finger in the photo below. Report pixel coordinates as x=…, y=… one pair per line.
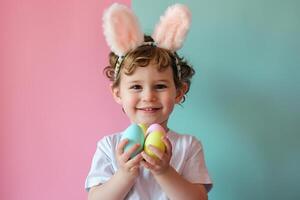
x=157, y=152
x=134, y=168
x=134, y=161
x=146, y=165
x=121, y=146
x=149, y=159
x=168, y=146
x=131, y=150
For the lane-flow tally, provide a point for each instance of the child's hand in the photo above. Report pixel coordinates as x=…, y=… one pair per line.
x=130, y=167
x=160, y=164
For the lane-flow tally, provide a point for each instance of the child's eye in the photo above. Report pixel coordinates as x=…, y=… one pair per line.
x=135, y=87
x=160, y=86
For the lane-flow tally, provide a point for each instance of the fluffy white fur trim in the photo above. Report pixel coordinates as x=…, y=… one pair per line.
x=172, y=28
x=121, y=29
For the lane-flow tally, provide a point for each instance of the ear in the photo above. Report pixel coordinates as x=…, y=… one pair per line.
x=121, y=29
x=172, y=28
x=181, y=92
x=115, y=91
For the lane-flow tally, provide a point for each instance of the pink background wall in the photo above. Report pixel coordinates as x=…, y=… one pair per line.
x=55, y=103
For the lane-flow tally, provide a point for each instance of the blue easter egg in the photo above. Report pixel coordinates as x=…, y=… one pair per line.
x=135, y=135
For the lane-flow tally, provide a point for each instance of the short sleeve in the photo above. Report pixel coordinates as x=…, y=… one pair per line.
x=195, y=169
x=101, y=169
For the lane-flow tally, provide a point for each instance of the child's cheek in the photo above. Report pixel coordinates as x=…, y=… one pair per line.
x=132, y=101
x=169, y=104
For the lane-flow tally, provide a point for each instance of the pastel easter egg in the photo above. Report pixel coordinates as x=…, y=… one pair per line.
x=135, y=135
x=143, y=127
x=155, y=127
x=154, y=139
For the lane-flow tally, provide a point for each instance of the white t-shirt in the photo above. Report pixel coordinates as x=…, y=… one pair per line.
x=187, y=159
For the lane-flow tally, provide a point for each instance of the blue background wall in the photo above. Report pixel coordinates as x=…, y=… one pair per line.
x=244, y=101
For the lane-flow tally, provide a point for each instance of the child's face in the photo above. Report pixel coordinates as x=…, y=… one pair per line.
x=148, y=96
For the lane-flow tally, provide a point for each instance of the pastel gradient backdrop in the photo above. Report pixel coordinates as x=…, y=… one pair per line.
x=243, y=105
x=55, y=102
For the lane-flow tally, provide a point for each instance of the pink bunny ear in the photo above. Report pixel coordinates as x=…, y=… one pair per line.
x=121, y=29
x=170, y=32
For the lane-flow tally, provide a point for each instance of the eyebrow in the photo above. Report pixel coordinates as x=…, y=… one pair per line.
x=163, y=80
x=134, y=81
x=139, y=81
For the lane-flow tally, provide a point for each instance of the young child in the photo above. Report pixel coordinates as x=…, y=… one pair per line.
x=148, y=79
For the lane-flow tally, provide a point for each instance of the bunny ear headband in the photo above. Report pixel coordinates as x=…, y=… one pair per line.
x=123, y=34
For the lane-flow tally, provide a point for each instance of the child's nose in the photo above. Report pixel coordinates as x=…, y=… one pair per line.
x=149, y=95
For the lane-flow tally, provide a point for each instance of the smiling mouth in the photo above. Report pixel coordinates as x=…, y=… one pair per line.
x=149, y=109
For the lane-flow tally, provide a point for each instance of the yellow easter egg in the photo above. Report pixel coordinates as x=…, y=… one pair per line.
x=143, y=127
x=154, y=139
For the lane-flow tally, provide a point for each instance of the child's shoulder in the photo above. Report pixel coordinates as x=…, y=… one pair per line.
x=109, y=140
x=184, y=139
x=183, y=136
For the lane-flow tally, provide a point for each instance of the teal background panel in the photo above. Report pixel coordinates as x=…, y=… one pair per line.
x=244, y=100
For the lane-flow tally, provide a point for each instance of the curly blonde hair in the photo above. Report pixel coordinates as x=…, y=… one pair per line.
x=142, y=56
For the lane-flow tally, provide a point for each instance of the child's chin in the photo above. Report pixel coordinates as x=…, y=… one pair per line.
x=148, y=122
